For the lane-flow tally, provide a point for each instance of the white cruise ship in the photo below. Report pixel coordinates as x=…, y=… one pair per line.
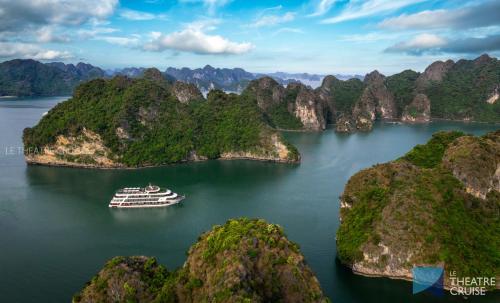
x=149, y=196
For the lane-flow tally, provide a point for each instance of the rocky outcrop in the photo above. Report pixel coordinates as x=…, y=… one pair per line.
x=296, y=100
x=475, y=161
x=418, y=111
x=325, y=93
x=125, y=279
x=186, y=92
x=84, y=150
x=389, y=250
x=379, y=94
x=483, y=60
x=434, y=73
x=308, y=107
x=494, y=95
x=155, y=75
x=241, y=261
x=418, y=211
x=267, y=92
x=375, y=102
x=344, y=125
x=275, y=150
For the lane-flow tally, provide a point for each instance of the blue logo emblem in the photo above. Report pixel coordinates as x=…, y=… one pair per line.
x=428, y=278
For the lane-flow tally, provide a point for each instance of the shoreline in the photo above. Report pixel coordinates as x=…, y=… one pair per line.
x=404, y=278
x=123, y=167
x=391, y=121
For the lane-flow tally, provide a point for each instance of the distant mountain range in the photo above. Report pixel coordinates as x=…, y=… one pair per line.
x=26, y=77
x=32, y=78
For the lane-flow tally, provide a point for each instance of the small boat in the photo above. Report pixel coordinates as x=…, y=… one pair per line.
x=149, y=196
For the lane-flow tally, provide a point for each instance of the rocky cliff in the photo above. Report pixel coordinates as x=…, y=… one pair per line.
x=419, y=110
x=186, y=92
x=294, y=107
x=241, y=261
x=436, y=206
x=466, y=90
x=149, y=121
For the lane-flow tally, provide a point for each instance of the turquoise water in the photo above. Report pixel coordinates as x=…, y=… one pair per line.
x=56, y=230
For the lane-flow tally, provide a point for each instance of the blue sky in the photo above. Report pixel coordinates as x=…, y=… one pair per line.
x=316, y=36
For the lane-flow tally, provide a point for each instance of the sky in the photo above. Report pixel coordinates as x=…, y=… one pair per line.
x=315, y=36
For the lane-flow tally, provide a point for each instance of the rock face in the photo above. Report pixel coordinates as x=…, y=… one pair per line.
x=494, y=95
x=433, y=207
x=125, y=122
x=354, y=105
x=279, y=103
x=383, y=98
x=308, y=107
x=275, y=150
x=84, y=150
x=475, y=161
x=186, y=92
x=376, y=101
x=419, y=110
x=267, y=92
x=434, y=73
x=154, y=75
x=344, y=125
x=125, y=279
x=241, y=261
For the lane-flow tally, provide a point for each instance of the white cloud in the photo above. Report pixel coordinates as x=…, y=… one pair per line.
x=322, y=7
x=361, y=9
x=134, y=15
x=203, y=24
x=90, y=33
x=369, y=37
x=46, y=35
x=122, y=41
x=194, y=39
x=31, y=51
x=484, y=14
x=270, y=20
x=19, y=14
x=419, y=44
x=428, y=43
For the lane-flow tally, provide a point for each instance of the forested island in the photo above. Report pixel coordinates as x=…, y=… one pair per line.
x=244, y=260
x=151, y=121
x=438, y=205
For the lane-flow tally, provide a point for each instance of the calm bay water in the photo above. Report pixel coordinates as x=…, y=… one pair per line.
x=56, y=230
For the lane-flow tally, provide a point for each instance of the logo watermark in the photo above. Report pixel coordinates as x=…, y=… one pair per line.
x=427, y=278
x=21, y=151
x=470, y=286
x=431, y=279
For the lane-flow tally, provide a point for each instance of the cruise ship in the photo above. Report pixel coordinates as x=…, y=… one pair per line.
x=149, y=196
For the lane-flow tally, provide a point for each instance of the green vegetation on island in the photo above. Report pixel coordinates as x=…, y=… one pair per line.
x=437, y=205
x=463, y=92
x=140, y=122
x=244, y=260
x=402, y=86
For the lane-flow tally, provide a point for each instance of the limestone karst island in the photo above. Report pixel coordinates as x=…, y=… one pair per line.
x=224, y=151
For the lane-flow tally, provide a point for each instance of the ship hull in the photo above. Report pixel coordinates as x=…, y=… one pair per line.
x=156, y=205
